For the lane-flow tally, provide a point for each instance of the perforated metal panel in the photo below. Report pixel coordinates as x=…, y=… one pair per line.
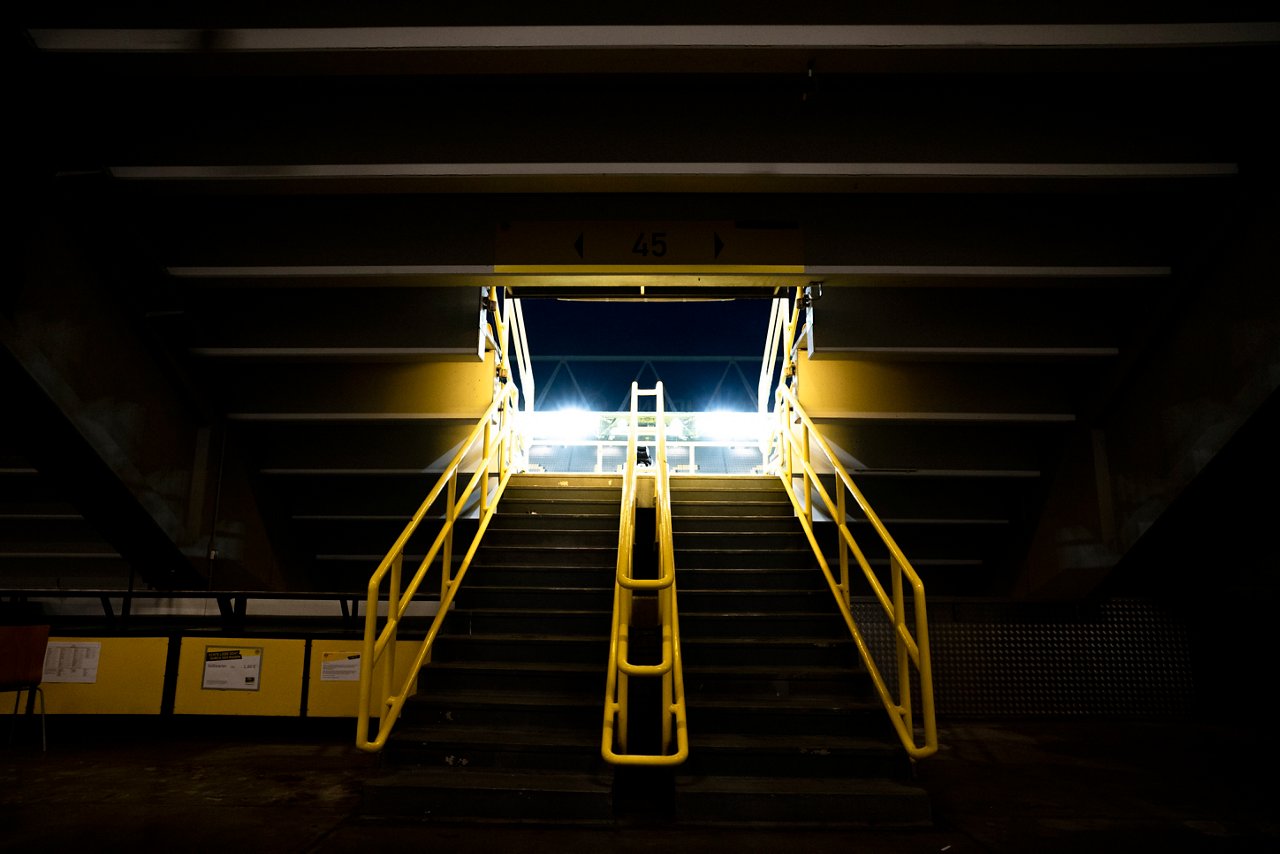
x=1123, y=657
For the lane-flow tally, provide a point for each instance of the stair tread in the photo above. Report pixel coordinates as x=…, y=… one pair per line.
x=771, y=670
x=463, y=777
x=790, y=743
x=479, y=697
x=505, y=517
x=685, y=588
x=549, y=547
x=451, y=734
x=795, y=785
x=530, y=666
x=785, y=703
x=530, y=637
x=756, y=640
x=755, y=614
x=545, y=567
x=533, y=588
x=680, y=549
x=525, y=612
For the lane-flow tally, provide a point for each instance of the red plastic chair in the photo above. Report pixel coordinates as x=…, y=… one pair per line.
x=22, y=650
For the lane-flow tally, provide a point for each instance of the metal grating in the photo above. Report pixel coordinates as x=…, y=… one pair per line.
x=1123, y=657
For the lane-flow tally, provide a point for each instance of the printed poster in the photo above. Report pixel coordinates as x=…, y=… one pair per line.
x=340, y=667
x=232, y=668
x=72, y=661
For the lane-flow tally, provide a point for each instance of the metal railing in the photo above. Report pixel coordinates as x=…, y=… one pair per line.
x=796, y=437
x=614, y=741
x=778, y=364
x=511, y=343
x=496, y=439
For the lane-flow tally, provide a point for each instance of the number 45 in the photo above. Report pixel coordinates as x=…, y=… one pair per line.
x=654, y=243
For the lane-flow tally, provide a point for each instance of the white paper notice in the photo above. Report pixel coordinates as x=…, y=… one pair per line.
x=232, y=668
x=71, y=661
x=340, y=667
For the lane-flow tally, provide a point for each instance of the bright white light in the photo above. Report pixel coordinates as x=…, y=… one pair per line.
x=565, y=424
x=724, y=426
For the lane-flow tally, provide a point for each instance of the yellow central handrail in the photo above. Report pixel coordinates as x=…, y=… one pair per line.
x=796, y=436
x=496, y=435
x=613, y=744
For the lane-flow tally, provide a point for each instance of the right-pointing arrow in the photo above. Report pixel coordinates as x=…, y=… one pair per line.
x=719, y=243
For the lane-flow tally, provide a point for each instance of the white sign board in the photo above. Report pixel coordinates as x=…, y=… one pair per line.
x=232, y=668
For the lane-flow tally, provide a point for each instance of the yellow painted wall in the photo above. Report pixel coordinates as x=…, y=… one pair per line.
x=130, y=679
x=334, y=699
x=839, y=387
x=280, y=679
x=131, y=675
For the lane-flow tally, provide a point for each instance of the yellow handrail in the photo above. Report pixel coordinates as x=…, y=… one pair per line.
x=670, y=670
x=497, y=447
x=796, y=436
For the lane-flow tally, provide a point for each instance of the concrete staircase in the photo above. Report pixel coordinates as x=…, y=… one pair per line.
x=784, y=729
x=506, y=724
x=784, y=725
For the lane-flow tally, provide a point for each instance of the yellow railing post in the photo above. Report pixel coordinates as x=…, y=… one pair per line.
x=484, y=464
x=842, y=519
x=393, y=625
x=446, y=552
x=900, y=647
x=808, y=467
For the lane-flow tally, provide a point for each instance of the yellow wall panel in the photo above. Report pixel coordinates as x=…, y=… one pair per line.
x=332, y=698
x=202, y=683
x=129, y=679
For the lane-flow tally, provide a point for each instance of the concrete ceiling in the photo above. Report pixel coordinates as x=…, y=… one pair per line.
x=254, y=241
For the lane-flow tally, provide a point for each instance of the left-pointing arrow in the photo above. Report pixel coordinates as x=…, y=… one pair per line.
x=577, y=244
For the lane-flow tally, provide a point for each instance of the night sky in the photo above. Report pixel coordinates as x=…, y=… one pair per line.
x=684, y=333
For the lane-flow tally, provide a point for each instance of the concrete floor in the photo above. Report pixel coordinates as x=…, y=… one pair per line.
x=1002, y=786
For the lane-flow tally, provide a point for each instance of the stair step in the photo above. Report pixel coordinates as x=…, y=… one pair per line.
x=729, y=523
x=511, y=507
x=743, y=558
x=602, y=495
x=584, y=649
x=742, y=540
x=537, y=598
x=690, y=579
x=604, y=556
x=794, y=755
x=515, y=676
x=682, y=507
x=729, y=600
x=739, y=714
x=725, y=623
x=779, y=651
x=490, y=796
x=780, y=801
x=523, y=621
x=486, y=707
x=517, y=575
x=726, y=484
x=543, y=538
x=776, y=681
x=505, y=520
x=509, y=747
